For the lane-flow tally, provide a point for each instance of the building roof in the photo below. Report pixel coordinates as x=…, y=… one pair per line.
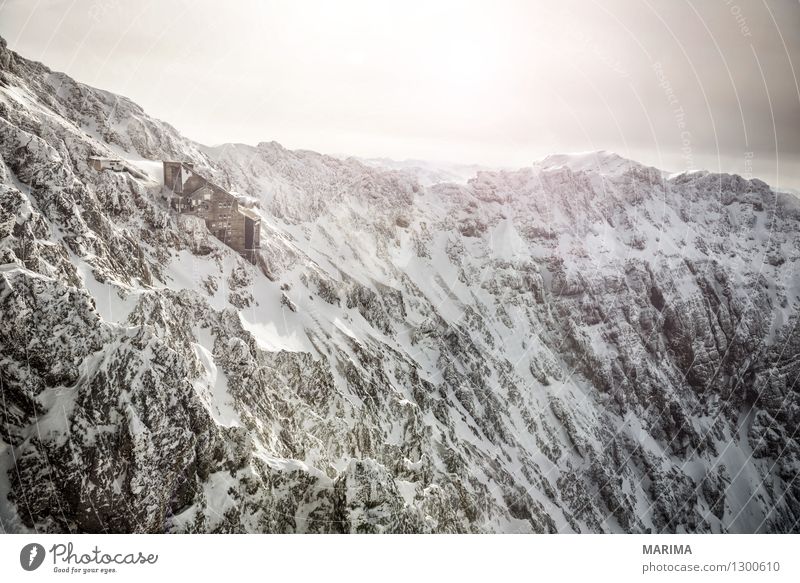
x=190, y=169
x=249, y=213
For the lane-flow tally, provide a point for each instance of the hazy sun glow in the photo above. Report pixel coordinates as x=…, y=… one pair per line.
x=501, y=82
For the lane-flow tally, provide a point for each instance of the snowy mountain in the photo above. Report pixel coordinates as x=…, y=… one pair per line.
x=429, y=173
x=582, y=345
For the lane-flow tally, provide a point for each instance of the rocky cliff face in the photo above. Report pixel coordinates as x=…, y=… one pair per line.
x=584, y=345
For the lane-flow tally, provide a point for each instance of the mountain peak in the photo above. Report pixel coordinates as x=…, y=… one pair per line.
x=602, y=162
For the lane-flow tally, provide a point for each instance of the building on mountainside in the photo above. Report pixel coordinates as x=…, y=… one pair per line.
x=99, y=164
x=235, y=225
x=113, y=164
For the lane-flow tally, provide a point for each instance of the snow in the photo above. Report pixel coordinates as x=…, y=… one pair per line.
x=113, y=301
x=153, y=169
x=506, y=242
x=428, y=172
x=10, y=521
x=407, y=490
x=213, y=386
x=603, y=162
x=216, y=496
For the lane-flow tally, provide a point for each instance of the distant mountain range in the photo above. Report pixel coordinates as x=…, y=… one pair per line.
x=429, y=173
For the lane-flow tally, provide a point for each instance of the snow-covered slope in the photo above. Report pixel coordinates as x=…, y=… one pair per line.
x=584, y=345
x=428, y=173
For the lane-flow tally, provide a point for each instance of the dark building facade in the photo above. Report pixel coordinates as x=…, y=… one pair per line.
x=235, y=225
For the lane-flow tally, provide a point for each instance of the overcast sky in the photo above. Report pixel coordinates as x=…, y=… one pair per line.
x=680, y=84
